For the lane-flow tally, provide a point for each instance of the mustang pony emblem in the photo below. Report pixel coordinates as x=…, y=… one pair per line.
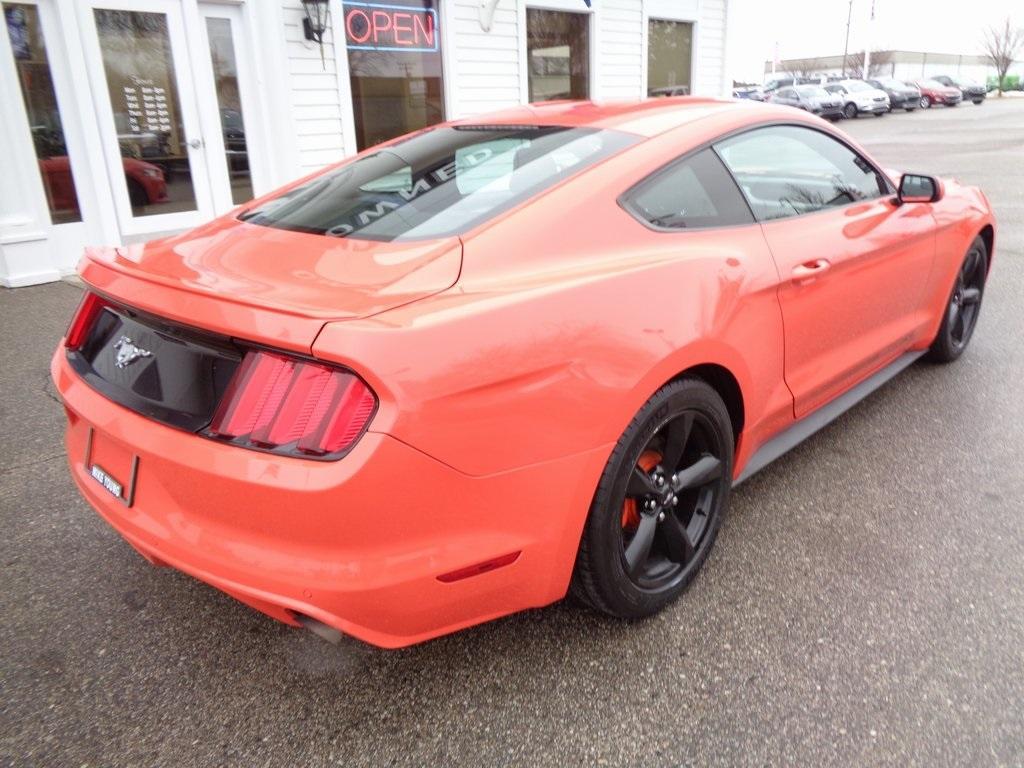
x=128, y=353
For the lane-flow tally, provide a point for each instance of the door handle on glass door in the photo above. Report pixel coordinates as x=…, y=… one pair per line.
x=195, y=143
x=804, y=273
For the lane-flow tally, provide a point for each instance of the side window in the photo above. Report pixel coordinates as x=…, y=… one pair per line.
x=693, y=193
x=787, y=93
x=787, y=171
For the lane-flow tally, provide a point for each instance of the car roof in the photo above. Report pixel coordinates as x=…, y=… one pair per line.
x=647, y=117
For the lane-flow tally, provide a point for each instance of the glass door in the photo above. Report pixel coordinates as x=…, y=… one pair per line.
x=147, y=111
x=229, y=148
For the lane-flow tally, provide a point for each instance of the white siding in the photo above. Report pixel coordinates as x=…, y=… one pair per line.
x=317, y=112
x=485, y=64
x=709, y=75
x=619, y=58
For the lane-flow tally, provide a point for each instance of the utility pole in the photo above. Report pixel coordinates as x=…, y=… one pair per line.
x=846, y=46
x=867, y=44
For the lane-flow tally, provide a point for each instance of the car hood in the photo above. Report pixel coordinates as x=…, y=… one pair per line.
x=292, y=273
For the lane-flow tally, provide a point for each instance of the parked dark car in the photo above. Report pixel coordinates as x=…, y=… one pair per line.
x=901, y=95
x=969, y=89
x=811, y=98
x=934, y=92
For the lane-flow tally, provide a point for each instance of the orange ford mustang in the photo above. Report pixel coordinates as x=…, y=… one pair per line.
x=475, y=368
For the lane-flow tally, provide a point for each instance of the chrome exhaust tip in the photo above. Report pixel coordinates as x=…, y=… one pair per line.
x=318, y=628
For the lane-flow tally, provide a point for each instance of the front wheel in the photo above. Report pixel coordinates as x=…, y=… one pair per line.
x=926, y=103
x=850, y=111
x=659, y=503
x=964, y=306
x=979, y=102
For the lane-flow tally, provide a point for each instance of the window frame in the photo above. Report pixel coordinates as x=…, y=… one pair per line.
x=661, y=14
x=625, y=204
x=887, y=195
x=560, y=6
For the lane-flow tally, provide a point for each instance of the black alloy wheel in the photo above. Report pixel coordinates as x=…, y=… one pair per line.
x=658, y=507
x=667, y=507
x=964, y=305
x=850, y=111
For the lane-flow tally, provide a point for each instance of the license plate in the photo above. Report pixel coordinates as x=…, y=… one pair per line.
x=98, y=449
x=101, y=476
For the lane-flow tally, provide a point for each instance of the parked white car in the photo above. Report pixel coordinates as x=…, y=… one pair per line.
x=859, y=98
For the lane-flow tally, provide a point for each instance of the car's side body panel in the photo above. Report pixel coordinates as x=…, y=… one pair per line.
x=866, y=307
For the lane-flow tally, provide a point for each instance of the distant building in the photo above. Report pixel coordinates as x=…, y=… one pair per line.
x=903, y=65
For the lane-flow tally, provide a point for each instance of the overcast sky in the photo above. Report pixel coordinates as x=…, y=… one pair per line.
x=804, y=28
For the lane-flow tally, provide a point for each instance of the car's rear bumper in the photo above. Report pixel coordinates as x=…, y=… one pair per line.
x=357, y=544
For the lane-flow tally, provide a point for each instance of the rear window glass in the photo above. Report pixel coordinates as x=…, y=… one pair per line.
x=439, y=182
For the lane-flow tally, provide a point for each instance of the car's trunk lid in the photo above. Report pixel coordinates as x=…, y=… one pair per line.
x=230, y=269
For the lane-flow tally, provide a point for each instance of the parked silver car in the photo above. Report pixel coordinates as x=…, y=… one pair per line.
x=859, y=98
x=811, y=98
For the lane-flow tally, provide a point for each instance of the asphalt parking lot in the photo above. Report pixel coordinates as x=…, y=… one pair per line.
x=864, y=604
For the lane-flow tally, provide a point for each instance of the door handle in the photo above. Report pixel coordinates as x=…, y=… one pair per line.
x=195, y=143
x=809, y=270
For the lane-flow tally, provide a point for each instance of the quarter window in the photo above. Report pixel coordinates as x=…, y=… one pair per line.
x=787, y=171
x=693, y=193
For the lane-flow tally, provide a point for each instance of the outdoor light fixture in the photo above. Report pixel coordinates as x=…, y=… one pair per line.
x=318, y=14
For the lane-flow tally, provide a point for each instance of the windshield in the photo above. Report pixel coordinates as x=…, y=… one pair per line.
x=856, y=85
x=438, y=182
x=894, y=84
x=813, y=91
x=933, y=84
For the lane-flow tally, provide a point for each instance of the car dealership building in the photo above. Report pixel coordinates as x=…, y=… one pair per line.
x=124, y=120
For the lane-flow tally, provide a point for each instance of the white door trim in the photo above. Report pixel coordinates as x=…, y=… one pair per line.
x=249, y=94
x=130, y=225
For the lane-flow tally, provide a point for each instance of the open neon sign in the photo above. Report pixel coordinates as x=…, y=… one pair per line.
x=379, y=27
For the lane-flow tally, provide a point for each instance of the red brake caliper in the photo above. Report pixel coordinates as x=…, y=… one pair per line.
x=630, y=517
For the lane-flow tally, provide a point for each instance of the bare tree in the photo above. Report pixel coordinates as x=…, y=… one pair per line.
x=881, y=64
x=803, y=68
x=1001, y=45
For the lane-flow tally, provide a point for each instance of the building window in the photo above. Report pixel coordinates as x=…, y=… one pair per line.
x=33, y=67
x=394, y=61
x=669, y=53
x=558, y=52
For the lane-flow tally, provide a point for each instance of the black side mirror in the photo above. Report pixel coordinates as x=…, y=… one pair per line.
x=917, y=188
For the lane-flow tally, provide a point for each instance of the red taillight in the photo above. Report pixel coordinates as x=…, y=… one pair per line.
x=86, y=314
x=298, y=406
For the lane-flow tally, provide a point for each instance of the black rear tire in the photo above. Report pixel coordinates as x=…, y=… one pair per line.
x=850, y=111
x=679, y=530
x=960, y=316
